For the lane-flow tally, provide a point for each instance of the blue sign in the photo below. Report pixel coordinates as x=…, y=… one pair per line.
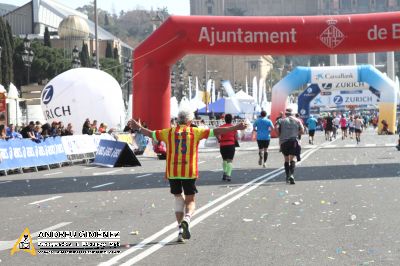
x=112, y=153
x=20, y=153
x=108, y=152
x=47, y=94
x=338, y=99
x=304, y=100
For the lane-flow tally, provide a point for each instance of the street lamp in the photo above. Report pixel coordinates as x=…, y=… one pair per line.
x=128, y=76
x=27, y=56
x=75, y=58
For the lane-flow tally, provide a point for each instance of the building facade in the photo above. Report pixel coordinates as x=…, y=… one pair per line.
x=289, y=7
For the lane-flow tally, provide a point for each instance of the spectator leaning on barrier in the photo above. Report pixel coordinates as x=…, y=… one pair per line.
x=94, y=127
x=3, y=134
x=27, y=132
x=38, y=133
x=60, y=129
x=128, y=128
x=86, y=129
x=46, y=130
x=68, y=131
x=11, y=133
x=102, y=128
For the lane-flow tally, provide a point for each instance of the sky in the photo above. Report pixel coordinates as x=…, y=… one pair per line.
x=175, y=7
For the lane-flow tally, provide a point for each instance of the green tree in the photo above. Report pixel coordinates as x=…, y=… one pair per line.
x=109, y=51
x=84, y=56
x=46, y=37
x=6, y=54
x=112, y=67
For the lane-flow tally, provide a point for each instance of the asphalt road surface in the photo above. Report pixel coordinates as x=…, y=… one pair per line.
x=343, y=210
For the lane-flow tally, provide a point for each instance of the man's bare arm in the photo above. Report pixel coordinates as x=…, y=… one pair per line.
x=137, y=125
x=222, y=130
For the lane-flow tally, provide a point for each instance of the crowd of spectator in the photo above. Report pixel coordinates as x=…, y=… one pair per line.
x=35, y=131
x=91, y=128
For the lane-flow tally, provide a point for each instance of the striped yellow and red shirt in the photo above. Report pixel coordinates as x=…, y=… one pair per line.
x=182, y=150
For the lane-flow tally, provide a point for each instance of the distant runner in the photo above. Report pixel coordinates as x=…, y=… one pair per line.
x=263, y=126
x=312, y=123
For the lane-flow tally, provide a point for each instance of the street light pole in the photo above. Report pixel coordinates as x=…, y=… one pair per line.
x=27, y=56
x=128, y=76
x=75, y=58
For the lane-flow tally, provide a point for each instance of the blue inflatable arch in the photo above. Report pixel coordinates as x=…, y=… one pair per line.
x=336, y=74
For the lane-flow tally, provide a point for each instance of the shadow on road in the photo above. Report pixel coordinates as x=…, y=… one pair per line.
x=73, y=184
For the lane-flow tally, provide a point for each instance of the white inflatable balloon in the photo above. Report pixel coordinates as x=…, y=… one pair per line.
x=82, y=93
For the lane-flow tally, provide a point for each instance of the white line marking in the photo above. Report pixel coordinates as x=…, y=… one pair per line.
x=107, y=173
x=40, y=201
x=139, y=176
x=202, y=162
x=350, y=145
x=92, y=167
x=132, y=170
x=4, y=245
x=103, y=185
x=370, y=145
x=330, y=146
x=56, y=173
x=5, y=182
x=390, y=144
x=167, y=228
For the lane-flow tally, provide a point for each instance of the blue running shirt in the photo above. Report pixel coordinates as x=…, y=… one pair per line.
x=262, y=125
x=312, y=123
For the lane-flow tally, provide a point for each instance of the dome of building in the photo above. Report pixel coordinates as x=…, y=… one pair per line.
x=73, y=27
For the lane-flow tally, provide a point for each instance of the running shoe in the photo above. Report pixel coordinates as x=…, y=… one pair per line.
x=291, y=180
x=228, y=178
x=224, y=177
x=260, y=160
x=264, y=165
x=180, y=238
x=185, y=228
x=287, y=179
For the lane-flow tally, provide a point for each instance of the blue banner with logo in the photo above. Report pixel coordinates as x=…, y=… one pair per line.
x=305, y=99
x=115, y=153
x=19, y=153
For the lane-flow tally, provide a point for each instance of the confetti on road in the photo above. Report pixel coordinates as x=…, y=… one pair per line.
x=134, y=233
x=323, y=202
x=247, y=220
x=353, y=217
x=296, y=203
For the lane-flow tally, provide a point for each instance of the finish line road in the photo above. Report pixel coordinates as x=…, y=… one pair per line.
x=343, y=209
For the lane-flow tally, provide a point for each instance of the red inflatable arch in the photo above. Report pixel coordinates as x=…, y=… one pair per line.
x=181, y=35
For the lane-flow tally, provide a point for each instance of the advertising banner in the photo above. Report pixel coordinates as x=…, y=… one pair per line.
x=27, y=153
x=81, y=144
x=115, y=153
x=334, y=74
x=338, y=98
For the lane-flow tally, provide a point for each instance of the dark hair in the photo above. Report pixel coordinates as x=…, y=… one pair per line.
x=228, y=118
x=263, y=114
